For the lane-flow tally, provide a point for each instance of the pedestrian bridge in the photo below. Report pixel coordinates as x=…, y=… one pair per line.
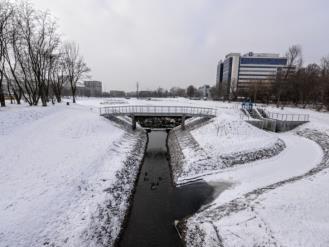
x=144, y=111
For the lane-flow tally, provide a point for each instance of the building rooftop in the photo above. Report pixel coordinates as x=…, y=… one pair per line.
x=263, y=55
x=232, y=54
x=253, y=54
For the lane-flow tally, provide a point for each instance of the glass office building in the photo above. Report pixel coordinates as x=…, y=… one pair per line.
x=241, y=72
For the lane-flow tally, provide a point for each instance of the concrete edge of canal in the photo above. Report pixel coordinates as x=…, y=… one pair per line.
x=139, y=150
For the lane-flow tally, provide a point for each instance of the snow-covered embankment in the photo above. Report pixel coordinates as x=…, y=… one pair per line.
x=242, y=215
x=66, y=175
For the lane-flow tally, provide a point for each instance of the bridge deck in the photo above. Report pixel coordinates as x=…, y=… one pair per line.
x=163, y=111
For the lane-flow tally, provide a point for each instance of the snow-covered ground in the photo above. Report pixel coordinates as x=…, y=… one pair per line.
x=282, y=200
x=57, y=162
x=260, y=173
x=55, y=166
x=291, y=215
x=97, y=102
x=227, y=133
x=246, y=214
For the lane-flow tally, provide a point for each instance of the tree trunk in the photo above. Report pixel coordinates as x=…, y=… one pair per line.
x=278, y=100
x=58, y=98
x=18, y=96
x=43, y=95
x=2, y=97
x=9, y=94
x=57, y=92
x=73, y=93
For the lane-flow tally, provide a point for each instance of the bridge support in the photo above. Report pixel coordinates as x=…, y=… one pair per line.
x=183, y=122
x=133, y=122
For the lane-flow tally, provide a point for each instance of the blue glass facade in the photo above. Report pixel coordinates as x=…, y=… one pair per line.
x=227, y=69
x=264, y=61
x=240, y=72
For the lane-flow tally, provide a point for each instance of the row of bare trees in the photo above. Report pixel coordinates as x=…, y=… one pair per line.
x=34, y=62
x=298, y=84
x=308, y=85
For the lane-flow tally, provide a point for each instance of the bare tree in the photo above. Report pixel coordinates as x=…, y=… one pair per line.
x=58, y=76
x=309, y=84
x=295, y=61
x=41, y=47
x=32, y=44
x=177, y=91
x=30, y=59
x=324, y=81
x=255, y=88
x=75, y=66
x=190, y=91
x=6, y=12
x=214, y=92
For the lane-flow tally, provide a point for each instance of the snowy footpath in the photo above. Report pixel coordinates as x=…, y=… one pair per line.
x=280, y=199
x=66, y=175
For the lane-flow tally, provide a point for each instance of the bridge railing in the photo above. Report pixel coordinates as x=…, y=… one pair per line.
x=141, y=109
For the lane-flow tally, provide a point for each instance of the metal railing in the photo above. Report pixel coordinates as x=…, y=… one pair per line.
x=277, y=116
x=288, y=117
x=157, y=110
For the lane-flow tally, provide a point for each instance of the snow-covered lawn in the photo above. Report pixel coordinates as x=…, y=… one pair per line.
x=288, y=163
x=55, y=164
x=297, y=213
x=294, y=214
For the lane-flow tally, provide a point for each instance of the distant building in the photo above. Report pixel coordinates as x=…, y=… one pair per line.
x=238, y=73
x=219, y=75
x=131, y=94
x=145, y=94
x=93, y=88
x=81, y=89
x=204, y=91
x=117, y=93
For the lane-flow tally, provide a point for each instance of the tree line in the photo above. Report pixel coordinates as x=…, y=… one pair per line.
x=191, y=92
x=35, y=64
x=305, y=85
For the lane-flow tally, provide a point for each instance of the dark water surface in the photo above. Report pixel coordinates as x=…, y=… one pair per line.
x=157, y=203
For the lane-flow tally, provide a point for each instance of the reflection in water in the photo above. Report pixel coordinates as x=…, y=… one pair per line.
x=157, y=203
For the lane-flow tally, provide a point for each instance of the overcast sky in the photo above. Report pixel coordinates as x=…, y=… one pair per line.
x=179, y=42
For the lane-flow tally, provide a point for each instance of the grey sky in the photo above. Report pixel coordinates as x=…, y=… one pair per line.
x=179, y=42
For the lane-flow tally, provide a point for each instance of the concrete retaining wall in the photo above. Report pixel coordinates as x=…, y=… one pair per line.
x=275, y=125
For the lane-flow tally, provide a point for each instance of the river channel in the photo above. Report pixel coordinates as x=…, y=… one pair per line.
x=157, y=202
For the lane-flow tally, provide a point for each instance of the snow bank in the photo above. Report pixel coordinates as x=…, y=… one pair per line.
x=227, y=133
x=292, y=212
x=300, y=156
x=222, y=142
x=55, y=166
